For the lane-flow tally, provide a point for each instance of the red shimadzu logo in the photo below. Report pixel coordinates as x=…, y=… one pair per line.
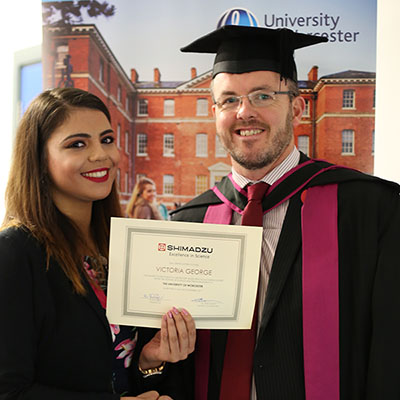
x=162, y=246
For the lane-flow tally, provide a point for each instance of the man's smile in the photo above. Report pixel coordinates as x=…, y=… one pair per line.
x=248, y=132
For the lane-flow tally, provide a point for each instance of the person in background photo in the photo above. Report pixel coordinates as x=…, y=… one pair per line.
x=56, y=342
x=163, y=211
x=142, y=203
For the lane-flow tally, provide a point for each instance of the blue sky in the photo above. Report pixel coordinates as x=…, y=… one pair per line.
x=148, y=34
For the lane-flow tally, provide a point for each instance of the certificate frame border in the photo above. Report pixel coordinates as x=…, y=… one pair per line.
x=154, y=315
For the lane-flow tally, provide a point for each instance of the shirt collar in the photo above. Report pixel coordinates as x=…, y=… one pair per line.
x=286, y=165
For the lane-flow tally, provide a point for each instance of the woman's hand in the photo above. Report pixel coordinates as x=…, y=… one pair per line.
x=174, y=342
x=153, y=395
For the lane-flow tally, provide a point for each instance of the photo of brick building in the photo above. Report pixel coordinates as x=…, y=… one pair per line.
x=176, y=144
x=78, y=56
x=175, y=140
x=166, y=130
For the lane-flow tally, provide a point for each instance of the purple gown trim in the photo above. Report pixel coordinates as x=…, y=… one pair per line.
x=300, y=187
x=234, y=207
x=218, y=214
x=225, y=203
x=321, y=293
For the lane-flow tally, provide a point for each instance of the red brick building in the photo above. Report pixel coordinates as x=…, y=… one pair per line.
x=175, y=138
x=166, y=130
x=345, y=119
x=177, y=147
x=78, y=56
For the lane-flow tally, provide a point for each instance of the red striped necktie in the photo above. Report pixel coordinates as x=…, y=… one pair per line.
x=253, y=214
x=238, y=362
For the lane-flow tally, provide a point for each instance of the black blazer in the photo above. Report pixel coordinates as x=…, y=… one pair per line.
x=54, y=344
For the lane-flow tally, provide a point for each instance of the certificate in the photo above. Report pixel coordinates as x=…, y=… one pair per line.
x=210, y=270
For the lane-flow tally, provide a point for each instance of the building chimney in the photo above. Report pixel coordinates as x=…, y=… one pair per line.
x=134, y=75
x=313, y=74
x=157, y=75
x=193, y=73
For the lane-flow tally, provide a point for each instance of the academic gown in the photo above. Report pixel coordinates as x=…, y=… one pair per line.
x=369, y=290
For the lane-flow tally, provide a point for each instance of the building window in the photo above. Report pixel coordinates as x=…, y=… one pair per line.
x=348, y=141
x=119, y=93
x=127, y=103
x=303, y=144
x=126, y=142
x=169, y=107
x=373, y=100
x=101, y=71
x=168, y=184
x=373, y=142
x=168, y=145
x=119, y=136
x=202, y=107
x=62, y=52
x=348, y=98
x=119, y=179
x=126, y=182
x=201, y=145
x=201, y=184
x=142, y=144
x=219, y=148
x=142, y=107
x=306, y=112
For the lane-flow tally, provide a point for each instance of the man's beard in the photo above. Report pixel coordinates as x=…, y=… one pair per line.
x=258, y=160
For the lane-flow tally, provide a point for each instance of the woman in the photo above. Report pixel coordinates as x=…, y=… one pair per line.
x=56, y=342
x=142, y=203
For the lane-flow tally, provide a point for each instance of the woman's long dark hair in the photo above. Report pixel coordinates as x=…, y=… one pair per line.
x=137, y=192
x=28, y=200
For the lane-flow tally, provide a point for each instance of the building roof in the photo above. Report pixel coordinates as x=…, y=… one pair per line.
x=158, y=85
x=91, y=29
x=175, y=86
x=180, y=86
x=350, y=74
x=306, y=84
x=346, y=77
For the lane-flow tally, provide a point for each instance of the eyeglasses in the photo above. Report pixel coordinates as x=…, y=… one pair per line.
x=256, y=99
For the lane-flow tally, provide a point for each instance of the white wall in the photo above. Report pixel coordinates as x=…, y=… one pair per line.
x=387, y=130
x=21, y=28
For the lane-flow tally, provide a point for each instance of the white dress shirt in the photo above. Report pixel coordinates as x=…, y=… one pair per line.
x=272, y=226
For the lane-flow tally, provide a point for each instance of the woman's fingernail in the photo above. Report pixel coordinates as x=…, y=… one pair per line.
x=184, y=311
x=170, y=314
x=175, y=310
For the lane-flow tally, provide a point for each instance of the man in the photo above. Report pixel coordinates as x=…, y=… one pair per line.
x=328, y=320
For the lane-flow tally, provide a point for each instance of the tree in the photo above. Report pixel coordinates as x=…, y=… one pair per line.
x=65, y=13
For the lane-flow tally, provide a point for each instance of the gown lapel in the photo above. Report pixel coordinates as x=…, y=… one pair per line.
x=285, y=256
x=230, y=194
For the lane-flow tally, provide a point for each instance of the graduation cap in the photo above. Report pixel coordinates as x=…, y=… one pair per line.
x=244, y=49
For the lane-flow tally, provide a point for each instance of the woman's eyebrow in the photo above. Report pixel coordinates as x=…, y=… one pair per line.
x=86, y=135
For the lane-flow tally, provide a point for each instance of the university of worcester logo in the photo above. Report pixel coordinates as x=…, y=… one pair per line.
x=237, y=16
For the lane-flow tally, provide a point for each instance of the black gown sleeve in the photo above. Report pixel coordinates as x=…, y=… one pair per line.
x=383, y=369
